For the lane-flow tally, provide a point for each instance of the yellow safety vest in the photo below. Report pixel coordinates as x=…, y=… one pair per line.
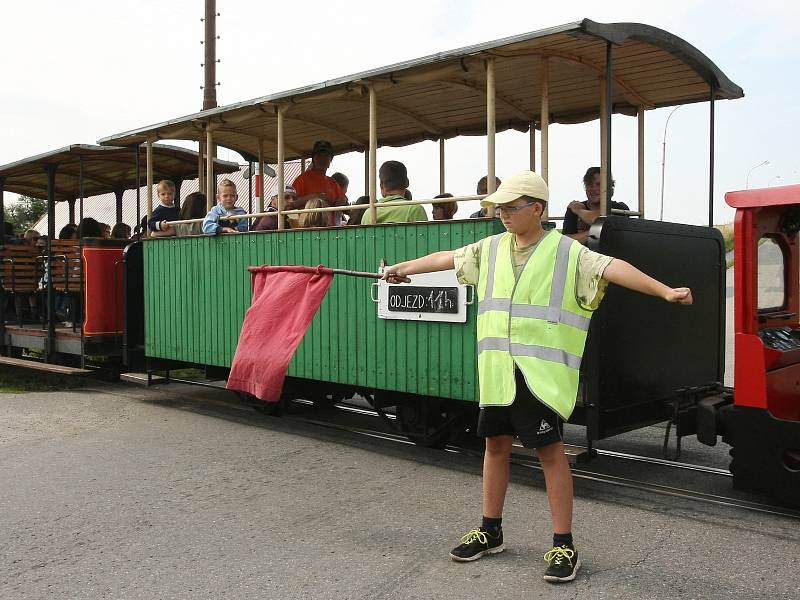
x=535, y=322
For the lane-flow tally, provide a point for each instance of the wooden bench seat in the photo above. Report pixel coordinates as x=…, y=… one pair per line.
x=20, y=268
x=66, y=265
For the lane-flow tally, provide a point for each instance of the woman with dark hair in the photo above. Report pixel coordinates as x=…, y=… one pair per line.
x=580, y=215
x=121, y=231
x=445, y=210
x=90, y=228
x=193, y=207
x=356, y=214
x=68, y=232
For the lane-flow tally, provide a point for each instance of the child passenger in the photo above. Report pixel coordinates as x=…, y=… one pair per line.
x=536, y=293
x=218, y=218
x=166, y=209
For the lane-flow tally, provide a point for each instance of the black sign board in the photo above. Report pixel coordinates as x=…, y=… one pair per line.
x=408, y=298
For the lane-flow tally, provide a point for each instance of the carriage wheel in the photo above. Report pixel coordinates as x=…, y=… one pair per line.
x=426, y=424
x=271, y=409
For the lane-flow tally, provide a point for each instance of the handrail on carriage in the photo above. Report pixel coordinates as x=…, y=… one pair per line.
x=345, y=208
x=349, y=207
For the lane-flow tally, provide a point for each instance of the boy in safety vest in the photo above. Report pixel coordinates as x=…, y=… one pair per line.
x=536, y=293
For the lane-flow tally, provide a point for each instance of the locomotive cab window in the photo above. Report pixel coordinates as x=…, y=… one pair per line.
x=771, y=276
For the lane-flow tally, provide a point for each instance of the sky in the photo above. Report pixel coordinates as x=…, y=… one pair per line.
x=77, y=71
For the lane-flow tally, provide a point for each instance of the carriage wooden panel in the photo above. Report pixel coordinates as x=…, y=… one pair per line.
x=20, y=268
x=66, y=265
x=198, y=289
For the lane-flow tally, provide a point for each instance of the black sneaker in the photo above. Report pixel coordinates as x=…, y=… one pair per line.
x=476, y=543
x=562, y=564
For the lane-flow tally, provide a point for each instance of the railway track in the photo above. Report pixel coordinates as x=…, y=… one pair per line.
x=529, y=462
x=525, y=459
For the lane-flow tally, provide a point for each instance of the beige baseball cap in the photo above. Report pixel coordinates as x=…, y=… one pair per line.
x=524, y=183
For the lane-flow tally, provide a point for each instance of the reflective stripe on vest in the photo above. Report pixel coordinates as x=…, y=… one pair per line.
x=533, y=322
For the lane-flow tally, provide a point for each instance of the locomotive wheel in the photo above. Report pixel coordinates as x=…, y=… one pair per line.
x=271, y=409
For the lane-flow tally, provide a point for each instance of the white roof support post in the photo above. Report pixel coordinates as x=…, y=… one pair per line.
x=441, y=165
x=210, y=193
x=201, y=177
x=532, y=155
x=544, y=120
x=640, y=117
x=373, y=152
x=606, y=189
x=603, y=148
x=279, y=172
x=262, y=203
x=491, y=183
x=149, y=168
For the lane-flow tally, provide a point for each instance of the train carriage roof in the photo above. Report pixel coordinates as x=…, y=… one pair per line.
x=105, y=169
x=444, y=95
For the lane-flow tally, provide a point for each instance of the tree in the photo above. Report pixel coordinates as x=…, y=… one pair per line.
x=25, y=212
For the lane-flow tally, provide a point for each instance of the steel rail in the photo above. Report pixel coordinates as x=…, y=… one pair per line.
x=582, y=474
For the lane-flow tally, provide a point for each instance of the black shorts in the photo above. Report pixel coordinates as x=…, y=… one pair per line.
x=533, y=422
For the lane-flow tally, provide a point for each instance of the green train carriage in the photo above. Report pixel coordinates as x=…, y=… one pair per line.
x=636, y=369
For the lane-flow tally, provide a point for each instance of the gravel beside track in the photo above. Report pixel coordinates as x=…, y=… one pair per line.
x=178, y=492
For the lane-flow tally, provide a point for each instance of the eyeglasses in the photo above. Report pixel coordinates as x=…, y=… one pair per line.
x=510, y=210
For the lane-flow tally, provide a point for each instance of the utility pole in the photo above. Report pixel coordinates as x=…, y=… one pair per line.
x=210, y=64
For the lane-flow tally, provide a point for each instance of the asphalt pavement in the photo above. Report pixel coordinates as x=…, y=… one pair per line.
x=115, y=491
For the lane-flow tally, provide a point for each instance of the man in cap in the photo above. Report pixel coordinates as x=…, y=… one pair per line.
x=536, y=293
x=314, y=183
x=270, y=222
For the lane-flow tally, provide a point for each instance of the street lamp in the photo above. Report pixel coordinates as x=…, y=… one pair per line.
x=773, y=179
x=747, y=180
x=663, y=160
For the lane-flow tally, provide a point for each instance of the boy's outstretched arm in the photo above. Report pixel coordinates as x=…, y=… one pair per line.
x=438, y=261
x=624, y=274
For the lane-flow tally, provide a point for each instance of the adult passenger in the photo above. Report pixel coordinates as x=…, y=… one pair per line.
x=356, y=214
x=444, y=211
x=270, y=222
x=68, y=232
x=393, y=178
x=580, y=215
x=105, y=231
x=481, y=190
x=529, y=393
x=30, y=237
x=314, y=183
x=121, y=231
x=193, y=207
x=89, y=228
x=9, y=235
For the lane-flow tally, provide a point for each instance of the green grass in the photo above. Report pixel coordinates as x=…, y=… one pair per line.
x=727, y=235
x=17, y=380
x=188, y=374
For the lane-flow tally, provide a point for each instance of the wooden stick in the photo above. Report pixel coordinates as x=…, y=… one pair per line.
x=357, y=273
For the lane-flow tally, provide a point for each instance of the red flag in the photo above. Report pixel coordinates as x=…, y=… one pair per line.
x=285, y=300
